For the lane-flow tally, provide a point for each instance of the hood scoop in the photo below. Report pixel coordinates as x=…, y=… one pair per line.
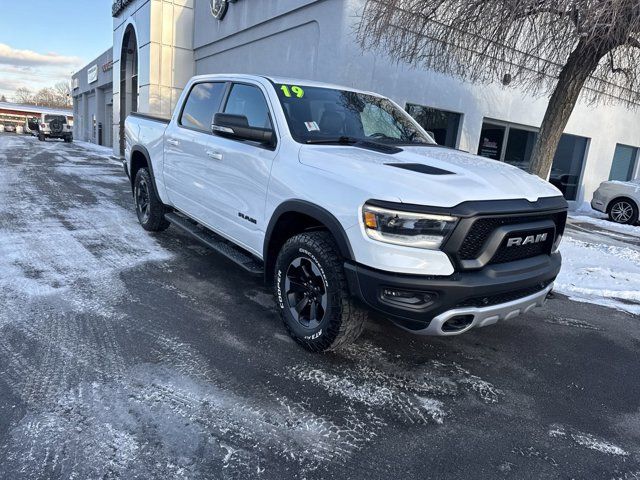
x=420, y=168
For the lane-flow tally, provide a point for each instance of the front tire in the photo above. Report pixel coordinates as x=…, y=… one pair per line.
x=312, y=295
x=623, y=211
x=149, y=207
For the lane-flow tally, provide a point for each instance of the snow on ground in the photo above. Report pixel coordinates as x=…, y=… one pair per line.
x=96, y=149
x=586, y=214
x=601, y=265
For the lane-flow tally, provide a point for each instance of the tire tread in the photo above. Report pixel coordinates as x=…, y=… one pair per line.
x=352, y=317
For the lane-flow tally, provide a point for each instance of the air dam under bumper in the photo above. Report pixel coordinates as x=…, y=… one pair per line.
x=455, y=304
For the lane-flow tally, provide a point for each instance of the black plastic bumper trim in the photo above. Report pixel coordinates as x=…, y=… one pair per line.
x=367, y=283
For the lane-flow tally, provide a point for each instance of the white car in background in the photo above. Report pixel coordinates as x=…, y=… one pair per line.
x=619, y=200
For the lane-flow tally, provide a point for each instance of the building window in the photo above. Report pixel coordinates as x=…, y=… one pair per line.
x=624, y=163
x=444, y=125
x=567, y=164
x=508, y=143
x=514, y=144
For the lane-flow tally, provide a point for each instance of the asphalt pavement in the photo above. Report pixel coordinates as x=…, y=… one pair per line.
x=127, y=355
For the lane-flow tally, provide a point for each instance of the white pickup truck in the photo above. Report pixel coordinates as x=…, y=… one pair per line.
x=343, y=203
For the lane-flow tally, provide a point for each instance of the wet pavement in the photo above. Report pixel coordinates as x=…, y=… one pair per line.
x=129, y=355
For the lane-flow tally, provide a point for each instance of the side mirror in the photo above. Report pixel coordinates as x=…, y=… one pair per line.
x=237, y=126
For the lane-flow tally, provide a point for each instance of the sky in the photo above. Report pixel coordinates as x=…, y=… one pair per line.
x=43, y=41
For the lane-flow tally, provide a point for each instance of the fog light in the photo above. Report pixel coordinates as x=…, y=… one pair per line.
x=408, y=298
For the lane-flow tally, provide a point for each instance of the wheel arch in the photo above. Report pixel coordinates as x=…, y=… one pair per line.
x=297, y=216
x=140, y=158
x=622, y=197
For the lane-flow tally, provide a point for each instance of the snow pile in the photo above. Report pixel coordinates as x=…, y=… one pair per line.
x=601, y=221
x=601, y=273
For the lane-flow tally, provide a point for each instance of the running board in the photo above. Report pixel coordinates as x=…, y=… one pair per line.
x=221, y=245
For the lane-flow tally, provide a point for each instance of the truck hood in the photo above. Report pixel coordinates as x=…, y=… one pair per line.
x=424, y=175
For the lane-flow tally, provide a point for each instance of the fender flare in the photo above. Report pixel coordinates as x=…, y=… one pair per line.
x=141, y=149
x=314, y=211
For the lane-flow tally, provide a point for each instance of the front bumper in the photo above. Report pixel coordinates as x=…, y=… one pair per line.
x=485, y=296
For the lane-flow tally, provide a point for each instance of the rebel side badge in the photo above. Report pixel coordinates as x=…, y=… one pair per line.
x=219, y=8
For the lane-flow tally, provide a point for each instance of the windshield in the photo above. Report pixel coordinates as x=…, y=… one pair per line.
x=51, y=118
x=325, y=114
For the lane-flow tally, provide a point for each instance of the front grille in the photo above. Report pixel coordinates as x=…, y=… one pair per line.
x=475, y=241
x=509, y=254
x=497, y=299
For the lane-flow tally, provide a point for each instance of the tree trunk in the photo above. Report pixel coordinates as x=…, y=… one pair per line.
x=580, y=65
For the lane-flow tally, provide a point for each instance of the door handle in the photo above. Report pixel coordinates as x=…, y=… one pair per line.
x=173, y=142
x=213, y=154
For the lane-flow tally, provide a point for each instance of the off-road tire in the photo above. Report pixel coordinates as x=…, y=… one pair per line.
x=343, y=320
x=68, y=139
x=41, y=137
x=152, y=219
x=620, y=205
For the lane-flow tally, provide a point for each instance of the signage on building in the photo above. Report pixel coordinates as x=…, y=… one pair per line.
x=118, y=6
x=92, y=74
x=219, y=8
x=107, y=66
x=76, y=83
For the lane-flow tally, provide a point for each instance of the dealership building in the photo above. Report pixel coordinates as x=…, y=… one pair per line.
x=159, y=44
x=93, y=101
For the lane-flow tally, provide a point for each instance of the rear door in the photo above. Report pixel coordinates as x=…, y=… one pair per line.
x=188, y=170
x=239, y=171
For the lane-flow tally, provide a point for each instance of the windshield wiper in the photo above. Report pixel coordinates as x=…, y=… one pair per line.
x=344, y=140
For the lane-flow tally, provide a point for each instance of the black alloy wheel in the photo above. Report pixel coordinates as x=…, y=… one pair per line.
x=142, y=200
x=306, y=292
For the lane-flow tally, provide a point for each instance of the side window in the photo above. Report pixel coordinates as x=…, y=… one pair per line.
x=203, y=101
x=249, y=101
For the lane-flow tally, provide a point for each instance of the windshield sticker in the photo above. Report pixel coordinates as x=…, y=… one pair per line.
x=312, y=126
x=293, y=90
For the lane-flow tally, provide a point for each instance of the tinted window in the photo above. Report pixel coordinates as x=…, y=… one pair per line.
x=624, y=163
x=203, y=101
x=491, y=141
x=51, y=118
x=519, y=147
x=567, y=164
x=249, y=101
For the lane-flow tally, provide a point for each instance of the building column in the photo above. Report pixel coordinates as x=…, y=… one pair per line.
x=100, y=119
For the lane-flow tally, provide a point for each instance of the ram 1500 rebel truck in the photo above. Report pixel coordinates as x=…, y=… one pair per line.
x=344, y=203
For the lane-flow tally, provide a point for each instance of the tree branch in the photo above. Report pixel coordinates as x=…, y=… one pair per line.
x=634, y=42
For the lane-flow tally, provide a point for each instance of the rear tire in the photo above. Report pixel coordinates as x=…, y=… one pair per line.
x=312, y=295
x=149, y=207
x=624, y=211
x=41, y=137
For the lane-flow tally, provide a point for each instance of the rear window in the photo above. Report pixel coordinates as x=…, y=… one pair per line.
x=203, y=102
x=51, y=118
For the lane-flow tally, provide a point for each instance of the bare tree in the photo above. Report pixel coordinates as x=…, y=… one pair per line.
x=46, y=97
x=23, y=95
x=564, y=48
x=63, y=93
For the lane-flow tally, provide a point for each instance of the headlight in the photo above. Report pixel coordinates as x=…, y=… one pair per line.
x=409, y=229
